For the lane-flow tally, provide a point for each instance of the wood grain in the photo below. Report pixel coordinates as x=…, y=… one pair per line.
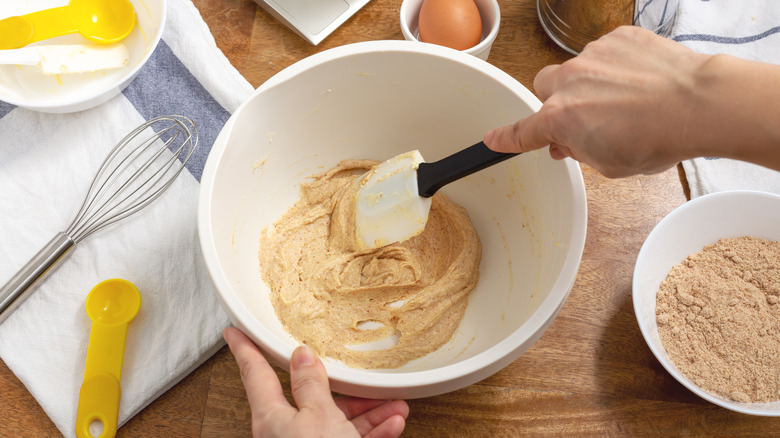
x=590, y=374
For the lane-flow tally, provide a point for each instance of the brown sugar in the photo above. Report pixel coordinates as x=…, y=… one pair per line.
x=719, y=318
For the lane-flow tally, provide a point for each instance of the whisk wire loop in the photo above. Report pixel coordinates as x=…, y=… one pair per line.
x=94, y=202
x=105, y=201
x=135, y=173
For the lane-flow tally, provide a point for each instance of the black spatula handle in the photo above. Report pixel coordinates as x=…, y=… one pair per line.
x=433, y=176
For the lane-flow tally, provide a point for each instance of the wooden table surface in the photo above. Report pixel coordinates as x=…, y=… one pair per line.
x=591, y=373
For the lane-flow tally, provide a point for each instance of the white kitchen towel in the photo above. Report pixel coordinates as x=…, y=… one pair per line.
x=749, y=29
x=47, y=162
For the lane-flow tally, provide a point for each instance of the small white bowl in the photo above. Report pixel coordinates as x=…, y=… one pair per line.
x=28, y=87
x=376, y=100
x=488, y=11
x=685, y=231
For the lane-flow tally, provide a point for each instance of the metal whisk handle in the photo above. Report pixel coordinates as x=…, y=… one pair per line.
x=14, y=292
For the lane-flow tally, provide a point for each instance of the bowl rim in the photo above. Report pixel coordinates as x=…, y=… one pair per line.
x=666, y=223
x=501, y=354
x=92, y=95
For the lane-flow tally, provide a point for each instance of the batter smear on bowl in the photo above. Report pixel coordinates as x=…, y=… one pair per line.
x=378, y=308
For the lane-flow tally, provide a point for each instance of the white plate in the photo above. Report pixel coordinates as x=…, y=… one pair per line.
x=313, y=20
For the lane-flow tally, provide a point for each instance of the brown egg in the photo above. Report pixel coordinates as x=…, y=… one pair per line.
x=451, y=23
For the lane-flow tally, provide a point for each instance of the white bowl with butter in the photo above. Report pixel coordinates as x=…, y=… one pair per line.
x=27, y=86
x=375, y=100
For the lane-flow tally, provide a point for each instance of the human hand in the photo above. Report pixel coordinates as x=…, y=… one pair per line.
x=621, y=106
x=318, y=413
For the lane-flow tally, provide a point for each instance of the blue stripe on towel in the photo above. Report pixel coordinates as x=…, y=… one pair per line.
x=663, y=14
x=641, y=10
x=726, y=40
x=5, y=108
x=644, y=7
x=165, y=86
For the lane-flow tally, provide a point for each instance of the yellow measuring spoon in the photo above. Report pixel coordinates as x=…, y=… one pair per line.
x=111, y=305
x=100, y=21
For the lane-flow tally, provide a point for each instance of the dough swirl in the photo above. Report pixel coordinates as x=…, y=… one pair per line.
x=335, y=299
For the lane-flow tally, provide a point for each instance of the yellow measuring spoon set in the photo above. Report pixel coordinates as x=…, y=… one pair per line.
x=99, y=21
x=111, y=305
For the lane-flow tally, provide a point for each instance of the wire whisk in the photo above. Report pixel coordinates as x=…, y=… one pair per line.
x=137, y=171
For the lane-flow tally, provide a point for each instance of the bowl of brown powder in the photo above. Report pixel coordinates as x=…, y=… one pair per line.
x=706, y=294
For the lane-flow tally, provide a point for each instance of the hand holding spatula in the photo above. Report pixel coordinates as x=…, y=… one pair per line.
x=393, y=199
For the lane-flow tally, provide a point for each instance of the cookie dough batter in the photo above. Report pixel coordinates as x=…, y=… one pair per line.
x=376, y=308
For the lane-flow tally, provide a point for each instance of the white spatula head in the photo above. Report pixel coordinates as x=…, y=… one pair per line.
x=388, y=208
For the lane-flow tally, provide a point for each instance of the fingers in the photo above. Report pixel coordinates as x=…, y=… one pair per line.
x=534, y=131
x=501, y=140
x=558, y=152
x=354, y=406
x=387, y=415
x=311, y=391
x=526, y=135
x=309, y=381
x=545, y=81
x=390, y=428
x=262, y=385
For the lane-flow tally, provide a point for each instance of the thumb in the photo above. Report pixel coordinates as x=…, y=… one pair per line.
x=308, y=380
x=525, y=135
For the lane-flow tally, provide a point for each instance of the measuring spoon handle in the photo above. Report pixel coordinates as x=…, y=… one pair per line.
x=21, y=30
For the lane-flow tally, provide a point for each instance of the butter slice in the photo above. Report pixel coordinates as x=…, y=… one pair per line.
x=63, y=59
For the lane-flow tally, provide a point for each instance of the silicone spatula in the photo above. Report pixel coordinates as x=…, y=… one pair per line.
x=393, y=201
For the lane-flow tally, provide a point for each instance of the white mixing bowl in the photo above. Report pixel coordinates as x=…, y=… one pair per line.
x=685, y=231
x=376, y=100
x=28, y=87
